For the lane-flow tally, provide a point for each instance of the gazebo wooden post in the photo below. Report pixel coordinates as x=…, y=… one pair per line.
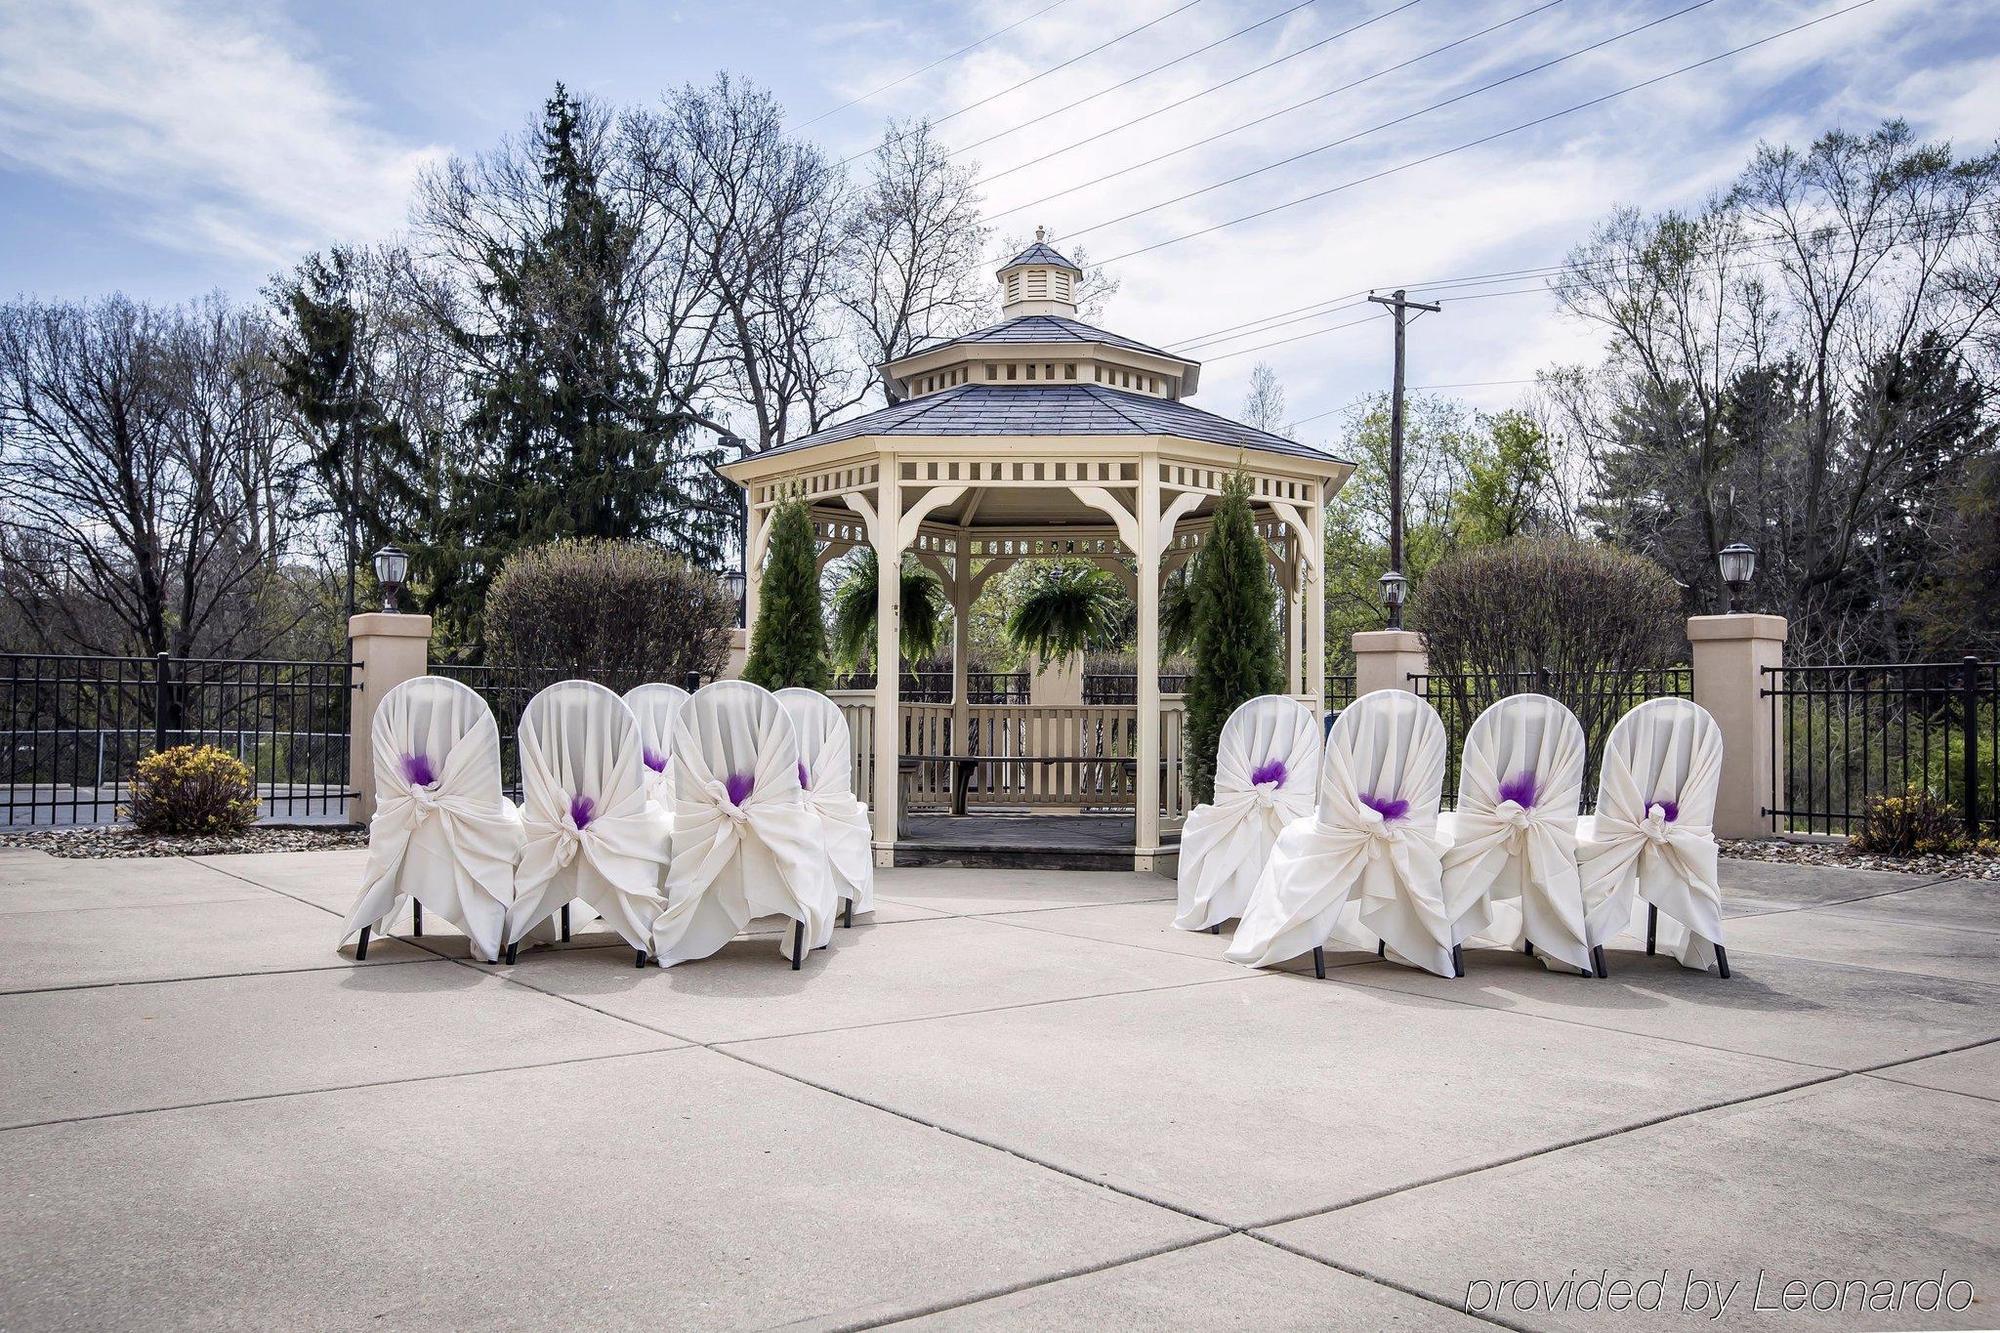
x=1314, y=565
x=961, y=644
x=755, y=537
x=1146, y=556
x=886, y=532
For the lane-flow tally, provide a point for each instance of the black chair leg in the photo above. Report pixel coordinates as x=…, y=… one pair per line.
x=1319, y=962
x=798, y=944
x=1528, y=948
x=565, y=923
x=1722, y=961
x=1652, y=925
x=1381, y=948
x=1597, y=956
x=361, y=948
x=639, y=959
x=1458, y=960
x=417, y=919
x=513, y=952
x=847, y=915
x=1215, y=930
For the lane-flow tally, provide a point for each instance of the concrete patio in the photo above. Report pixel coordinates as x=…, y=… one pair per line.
x=1013, y=1099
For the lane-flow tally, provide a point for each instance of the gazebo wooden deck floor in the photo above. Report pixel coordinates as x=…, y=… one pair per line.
x=1028, y=842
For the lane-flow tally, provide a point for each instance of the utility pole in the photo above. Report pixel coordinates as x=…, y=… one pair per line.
x=1398, y=305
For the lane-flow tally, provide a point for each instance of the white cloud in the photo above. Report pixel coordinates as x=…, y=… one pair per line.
x=209, y=127
x=1519, y=202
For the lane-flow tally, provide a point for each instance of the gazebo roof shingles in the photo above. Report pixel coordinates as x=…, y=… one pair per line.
x=1047, y=329
x=1061, y=409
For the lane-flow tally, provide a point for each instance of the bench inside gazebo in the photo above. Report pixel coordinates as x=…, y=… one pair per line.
x=1039, y=438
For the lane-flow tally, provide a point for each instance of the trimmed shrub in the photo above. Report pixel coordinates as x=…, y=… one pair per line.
x=788, y=647
x=1909, y=823
x=617, y=612
x=1235, y=630
x=1595, y=619
x=192, y=789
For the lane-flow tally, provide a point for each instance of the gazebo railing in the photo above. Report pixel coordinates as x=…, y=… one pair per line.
x=1107, y=732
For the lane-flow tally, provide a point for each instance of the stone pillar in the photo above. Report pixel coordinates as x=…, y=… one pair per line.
x=1729, y=655
x=739, y=653
x=389, y=649
x=1385, y=659
x=1057, y=684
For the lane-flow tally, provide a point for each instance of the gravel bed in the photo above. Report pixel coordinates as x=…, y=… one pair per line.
x=125, y=842
x=1968, y=865
x=115, y=841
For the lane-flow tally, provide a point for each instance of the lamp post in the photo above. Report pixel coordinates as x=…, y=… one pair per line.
x=1739, y=566
x=1394, y=589
x=738, y=584
x=392, y=570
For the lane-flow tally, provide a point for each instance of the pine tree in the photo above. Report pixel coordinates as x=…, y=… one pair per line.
x=566, y=411
x=1236, y=632
x=788, y=647
x=362, y=460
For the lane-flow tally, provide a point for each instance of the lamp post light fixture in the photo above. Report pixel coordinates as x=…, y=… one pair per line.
x=1739, y=566
x=738, y=584
x=1394, y=589
x=392, y=570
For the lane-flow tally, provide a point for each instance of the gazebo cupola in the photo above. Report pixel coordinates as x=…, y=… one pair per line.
x=1040, y=341
x=1038, y=281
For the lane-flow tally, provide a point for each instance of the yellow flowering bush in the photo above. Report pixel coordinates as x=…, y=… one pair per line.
x=192, y=789
x=1912, y=821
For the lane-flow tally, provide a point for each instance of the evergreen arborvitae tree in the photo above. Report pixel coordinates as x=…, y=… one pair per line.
x=1236, y=652
x=788, y=647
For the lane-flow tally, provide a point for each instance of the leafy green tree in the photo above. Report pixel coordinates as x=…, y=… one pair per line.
x=788, y=647
x=1236, y=630
x=923, y=613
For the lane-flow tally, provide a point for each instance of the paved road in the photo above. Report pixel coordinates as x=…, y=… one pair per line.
x=1013, y=1099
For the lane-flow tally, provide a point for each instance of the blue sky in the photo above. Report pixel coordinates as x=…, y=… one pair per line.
x=166, y=148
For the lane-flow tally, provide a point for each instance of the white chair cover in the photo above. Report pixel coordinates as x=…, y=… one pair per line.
x=1366, y=865
x=826, y=771
x=656, y=706
x=1654, y=835
x=1510, y=875
x=591, y=831
x=745, y=843
x=442, y=832
x=1266, y=765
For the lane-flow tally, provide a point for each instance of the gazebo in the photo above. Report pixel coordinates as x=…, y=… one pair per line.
x=1038, y=438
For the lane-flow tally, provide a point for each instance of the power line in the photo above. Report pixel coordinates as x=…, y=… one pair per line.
x=1195, y=96
x=1200, y=50
x=1032, y=78
x=1489, y=138
x=1248, y=124
x=1335, y=304
x=941, y=60
x=1388, y=124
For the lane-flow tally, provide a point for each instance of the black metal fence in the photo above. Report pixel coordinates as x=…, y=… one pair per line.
x=1598, y=698
x=73, y=728
x=1845, y=734
x=1111, y=687
x=934, y=687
